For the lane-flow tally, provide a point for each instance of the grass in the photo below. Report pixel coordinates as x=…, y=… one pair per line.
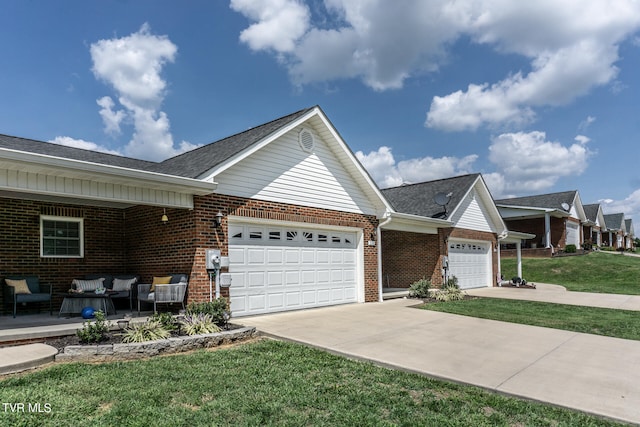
x=596, y=272
x=262, y=383
x=591, y=320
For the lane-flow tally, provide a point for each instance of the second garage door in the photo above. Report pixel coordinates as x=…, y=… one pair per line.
x=470, y=262
x=278, y=268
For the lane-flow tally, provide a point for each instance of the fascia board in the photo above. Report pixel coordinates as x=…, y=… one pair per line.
x=71, y=166
x=414, y=223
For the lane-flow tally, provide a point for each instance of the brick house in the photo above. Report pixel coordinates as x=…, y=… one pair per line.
x=556, y=219
x=450, y=221
x=614, y=234
x=299, y=215
x=594, y=224
x=629, y=238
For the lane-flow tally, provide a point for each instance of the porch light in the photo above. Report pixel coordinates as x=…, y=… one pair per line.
x=217, y=220
x=165, y=218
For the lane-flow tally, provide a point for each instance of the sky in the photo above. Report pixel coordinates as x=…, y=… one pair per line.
x=539, y=97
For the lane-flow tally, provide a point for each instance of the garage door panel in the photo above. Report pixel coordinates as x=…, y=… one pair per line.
x=276, y=268
x=470, y=262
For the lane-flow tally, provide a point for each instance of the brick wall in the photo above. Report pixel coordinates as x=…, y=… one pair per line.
x=408, y=257
x=20, y=243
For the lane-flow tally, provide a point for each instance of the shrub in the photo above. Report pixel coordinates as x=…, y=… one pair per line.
x=420, y=288
x=166, y=320
x=450, y=291
x=146, y=331
x=96, y=331
x=194, y=324
x=570, y=249
x=216, y=309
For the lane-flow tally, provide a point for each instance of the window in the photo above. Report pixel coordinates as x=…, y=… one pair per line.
x=274, y=235
x=61, y=237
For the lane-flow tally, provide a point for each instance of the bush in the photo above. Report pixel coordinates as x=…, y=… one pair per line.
x=570, y=249
x=166, y=320
x=450, y=291
x=420, y=288
x=96, y=331
x=146, y=331
x=194, y=324
x=216, y=309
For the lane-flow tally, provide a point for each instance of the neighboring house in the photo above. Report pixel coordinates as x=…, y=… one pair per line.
x=299, y=215
x=593, y=226
x=556, y=219
x=615, y=230
x=630, y=236
x=451, y=219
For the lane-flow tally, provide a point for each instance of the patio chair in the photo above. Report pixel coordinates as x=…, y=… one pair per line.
x=163, y=293
x=34, y=292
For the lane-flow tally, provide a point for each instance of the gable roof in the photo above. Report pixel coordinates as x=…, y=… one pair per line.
x=419, y=199
x=628, y=224
x=548, y=201
x=614, y=221
x=591, y=211
x=195, y=163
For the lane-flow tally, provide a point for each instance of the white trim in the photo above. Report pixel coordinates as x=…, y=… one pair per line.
x=77, y=220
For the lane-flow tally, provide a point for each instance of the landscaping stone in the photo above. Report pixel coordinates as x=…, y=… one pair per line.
x=125, y=351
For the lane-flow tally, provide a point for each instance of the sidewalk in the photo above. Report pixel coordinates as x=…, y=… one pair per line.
x=558, y=294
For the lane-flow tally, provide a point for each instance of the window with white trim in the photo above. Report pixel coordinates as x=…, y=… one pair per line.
x=61, y=237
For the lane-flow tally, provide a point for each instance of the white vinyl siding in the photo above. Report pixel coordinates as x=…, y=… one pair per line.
x=472, y=214
x=283, y=172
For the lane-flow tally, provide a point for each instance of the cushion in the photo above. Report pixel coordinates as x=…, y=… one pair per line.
x=88, y=285
x=163, y=280
x=19, y=286
x=120, y=285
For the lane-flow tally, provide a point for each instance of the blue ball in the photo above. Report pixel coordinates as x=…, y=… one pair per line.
x=88, y=313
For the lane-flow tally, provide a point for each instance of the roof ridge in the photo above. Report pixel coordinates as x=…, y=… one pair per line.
x=432, y=181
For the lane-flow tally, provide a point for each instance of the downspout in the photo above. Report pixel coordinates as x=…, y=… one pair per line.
x=379, y=239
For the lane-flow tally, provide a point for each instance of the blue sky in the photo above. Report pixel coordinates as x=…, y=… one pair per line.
x=538, y=97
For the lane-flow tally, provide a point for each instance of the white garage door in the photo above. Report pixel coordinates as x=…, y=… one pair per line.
x=470, y=262
x=573, y=234
x=279, y=268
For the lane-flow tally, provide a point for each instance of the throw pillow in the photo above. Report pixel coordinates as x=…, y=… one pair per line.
x=120, y=285
x=88, y=285
x=163, y=280
x=19, y=286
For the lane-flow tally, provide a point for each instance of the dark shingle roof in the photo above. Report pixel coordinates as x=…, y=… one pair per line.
x=614, y=221
x=548, y=201
x=591, y=211
x=191, y=164
x=194, y=163
x=419, y=199
x=57, y=150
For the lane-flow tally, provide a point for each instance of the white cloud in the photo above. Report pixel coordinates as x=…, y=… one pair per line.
x=630, y=206
x=572, y=47
x=384, y=170
x=110, y=118
x=278, y=23
x=527, y=162
x=132, y=66
x=81, y=143
x=584, y=125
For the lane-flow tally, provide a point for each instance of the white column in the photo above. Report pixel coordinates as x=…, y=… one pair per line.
x=519, y=255
x=547, y=230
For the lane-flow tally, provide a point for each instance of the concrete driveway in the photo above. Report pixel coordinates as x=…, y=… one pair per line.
x=593, y=374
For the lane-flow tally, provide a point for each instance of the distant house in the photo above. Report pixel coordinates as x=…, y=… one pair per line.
x=594, y=224
x=630, y=235
x=444, y=223
x=615, y=231
x=556, y=219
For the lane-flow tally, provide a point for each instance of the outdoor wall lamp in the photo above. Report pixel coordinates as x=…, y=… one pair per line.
x=217, y=220
x=165, y=218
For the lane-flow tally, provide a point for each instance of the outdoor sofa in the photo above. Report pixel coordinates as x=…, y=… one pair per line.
x=33, y=292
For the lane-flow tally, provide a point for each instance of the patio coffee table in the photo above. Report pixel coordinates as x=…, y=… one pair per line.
x=73, y=302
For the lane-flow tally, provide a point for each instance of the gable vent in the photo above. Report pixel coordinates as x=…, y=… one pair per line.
x=306, y=140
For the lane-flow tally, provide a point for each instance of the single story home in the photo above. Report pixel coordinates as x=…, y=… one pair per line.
x=443, y=228
x=629, y=238
x=556, y=219
x=594, y=224
x=614, y=235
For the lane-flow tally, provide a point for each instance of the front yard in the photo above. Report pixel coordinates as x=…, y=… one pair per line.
x=597, y=272
x=261, y=383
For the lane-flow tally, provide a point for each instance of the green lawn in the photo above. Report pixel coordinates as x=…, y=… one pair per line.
x=591, y=320
x=261, y=383
x=596, y=272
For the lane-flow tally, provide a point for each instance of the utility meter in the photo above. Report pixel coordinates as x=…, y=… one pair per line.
x=213, y=259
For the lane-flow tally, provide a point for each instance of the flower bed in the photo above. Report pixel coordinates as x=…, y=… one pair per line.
x=120, y=351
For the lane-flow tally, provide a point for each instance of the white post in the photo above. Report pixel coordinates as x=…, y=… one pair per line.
x=519, y=255
x=547, y=230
